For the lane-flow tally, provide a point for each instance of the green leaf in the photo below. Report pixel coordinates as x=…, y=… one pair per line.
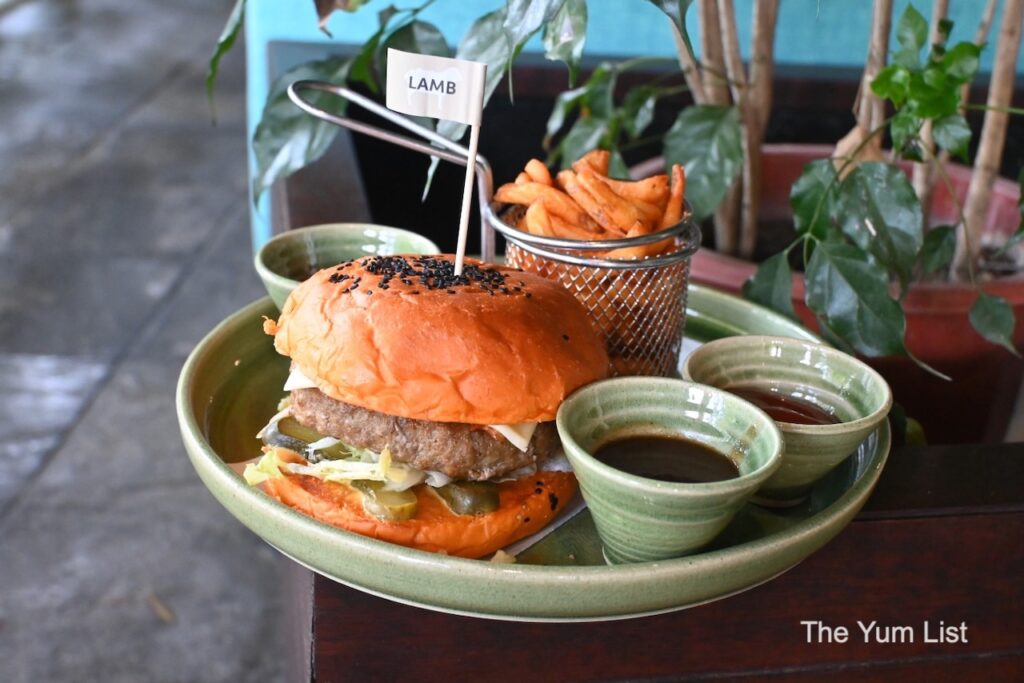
x=227, y=39
x=487, y=42
x=961, y=62
x=908, y=59
x=904, y=128
x=418, y=36
x=565, y=103
x=881, y=213
x=600, y=90
x=933, y=95
x=288, y=138
x=992, y=317
x=772, y=285
x=892, y=83
x=952, y=133
x=850, y=296
x=676, y=11
x=363, y=69
x=565, y=35
x=586, y=134
x=938, y=248
x=813, y=199
x=617, y=167
x=945, y=28
x=523, y=18
x=912, y=30
x=638, y=109
x=705, y=139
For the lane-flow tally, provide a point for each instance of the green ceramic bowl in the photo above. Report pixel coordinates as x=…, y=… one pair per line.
x=230, y=387
x=834, y=381
x=641, y=519
x=291, y=257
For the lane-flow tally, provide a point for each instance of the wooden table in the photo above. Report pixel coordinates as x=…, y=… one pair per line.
x=940, y=542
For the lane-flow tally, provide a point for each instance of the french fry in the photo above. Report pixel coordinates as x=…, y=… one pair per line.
x=653, y=191
x=584, y=204
x=557, y=203
x=538, y=172
x=537, y=220
x=583, y=198
x=611, y=207
x=596, y=159
x=674, y=211
x=521, y=193
x=640, y=252
x=571, y=230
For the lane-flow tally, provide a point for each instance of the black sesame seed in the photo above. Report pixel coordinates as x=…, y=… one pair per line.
x=529, y=295
x=565, y=337
x=538, y=490
x=553, y=500
x=526, y=519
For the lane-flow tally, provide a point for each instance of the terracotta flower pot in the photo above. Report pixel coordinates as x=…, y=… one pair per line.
x=974, y=407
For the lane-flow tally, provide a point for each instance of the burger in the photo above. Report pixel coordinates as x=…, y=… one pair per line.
x=422, y=403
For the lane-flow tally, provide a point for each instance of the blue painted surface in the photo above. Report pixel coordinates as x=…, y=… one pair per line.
x=810, y=32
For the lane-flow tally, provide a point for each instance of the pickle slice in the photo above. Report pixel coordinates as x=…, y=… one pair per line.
x=390, y=506
x=469, y=497
x=273, y=435
x=291, y=434
x=295, y=429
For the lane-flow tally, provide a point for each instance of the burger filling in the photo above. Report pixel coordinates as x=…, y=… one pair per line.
x=459, y=451
x=384, y=456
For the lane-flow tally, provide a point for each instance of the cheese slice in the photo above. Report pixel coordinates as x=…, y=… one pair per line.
x=296, y=380
x=518, y=435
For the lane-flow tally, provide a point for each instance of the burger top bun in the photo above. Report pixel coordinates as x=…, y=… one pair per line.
x=402, y=335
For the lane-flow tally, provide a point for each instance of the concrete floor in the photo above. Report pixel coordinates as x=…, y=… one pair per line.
x=123, y=239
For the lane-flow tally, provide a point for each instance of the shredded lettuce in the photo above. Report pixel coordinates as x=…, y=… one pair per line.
x=267, y=467
x=396, y=477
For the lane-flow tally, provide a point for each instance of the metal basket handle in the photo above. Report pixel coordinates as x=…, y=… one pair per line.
x=442, y=147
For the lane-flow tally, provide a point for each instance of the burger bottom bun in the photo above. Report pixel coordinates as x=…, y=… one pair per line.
x=526, y=506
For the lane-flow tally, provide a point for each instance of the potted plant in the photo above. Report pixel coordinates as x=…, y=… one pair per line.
x=860, y=226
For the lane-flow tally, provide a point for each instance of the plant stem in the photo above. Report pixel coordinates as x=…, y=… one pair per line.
x=969, y=246
x=730, y=210
x=1005, y=110
x=923, y=177
x=716, y=84
x=871, y=109
x=993, y=132
x=756, y=106
x=731, y=51
x=980, y=38
x=689, y=66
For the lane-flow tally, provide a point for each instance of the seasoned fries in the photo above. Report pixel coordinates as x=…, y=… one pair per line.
x=585, y=204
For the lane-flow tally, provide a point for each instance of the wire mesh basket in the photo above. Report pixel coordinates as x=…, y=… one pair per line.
x=638, y=305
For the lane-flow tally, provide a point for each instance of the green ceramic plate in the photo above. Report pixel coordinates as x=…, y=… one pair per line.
x=230, y=386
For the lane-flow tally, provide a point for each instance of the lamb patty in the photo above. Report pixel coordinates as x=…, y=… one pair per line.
x=462, y=451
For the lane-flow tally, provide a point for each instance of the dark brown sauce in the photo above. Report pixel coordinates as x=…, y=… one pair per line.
x=785, y=407
x=667, y=458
